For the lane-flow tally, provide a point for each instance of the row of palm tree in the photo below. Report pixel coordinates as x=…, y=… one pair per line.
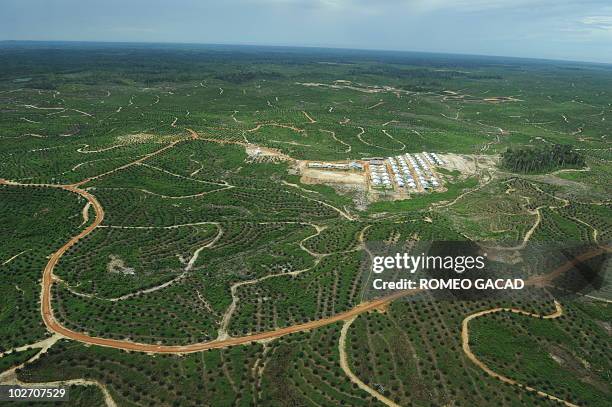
x=541, y=159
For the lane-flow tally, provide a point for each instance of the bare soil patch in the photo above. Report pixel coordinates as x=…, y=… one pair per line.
x=259, y=154
x=468, y=165
x=317, y=176
x=117, y=265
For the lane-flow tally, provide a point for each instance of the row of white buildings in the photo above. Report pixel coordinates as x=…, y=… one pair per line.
x=353, y=165
x=379, y=175
x=409, y=170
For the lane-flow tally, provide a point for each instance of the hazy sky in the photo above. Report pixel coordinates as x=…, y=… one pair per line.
x=559, y=29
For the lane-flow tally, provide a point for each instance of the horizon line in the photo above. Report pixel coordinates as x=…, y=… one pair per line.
x=326, y=47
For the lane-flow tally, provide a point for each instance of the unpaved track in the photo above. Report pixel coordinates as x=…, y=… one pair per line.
x=342, y=213
x=394, y=139
x=9, y=376
x=143, y=158
x=85, y=151
x=546, y=279
x=538, y=281
x=168, y=283
x=465, y=339
x=361, y=132
x=530, y=232
x=48, y=278
x=309, y=117
x=14, y=257
x=56, y=327
x=42, y=344
x=229, y=312
x=284, y=126
x=344, y=364
x=376, y=105
x=333, y=134
x=108, y=399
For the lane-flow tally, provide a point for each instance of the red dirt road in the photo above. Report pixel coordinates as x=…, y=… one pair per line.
x=54, y=326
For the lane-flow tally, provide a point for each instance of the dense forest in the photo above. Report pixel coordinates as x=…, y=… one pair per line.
x=541, y=159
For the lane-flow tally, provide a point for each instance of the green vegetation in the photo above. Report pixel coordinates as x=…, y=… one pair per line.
x=567, y=357
x=211, y=229
x=13, y=359
x=543, y=158
x=35, y=221
x=79, y=396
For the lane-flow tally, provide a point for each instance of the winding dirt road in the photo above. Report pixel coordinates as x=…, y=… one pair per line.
x=465, y=339
x=344, y=364
x=56, y=327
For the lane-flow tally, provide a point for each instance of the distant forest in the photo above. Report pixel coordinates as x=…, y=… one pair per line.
x=541, y=159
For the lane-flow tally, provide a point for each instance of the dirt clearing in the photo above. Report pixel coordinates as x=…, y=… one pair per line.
x=317, y=176
x=257, y=153
x=468, y=164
